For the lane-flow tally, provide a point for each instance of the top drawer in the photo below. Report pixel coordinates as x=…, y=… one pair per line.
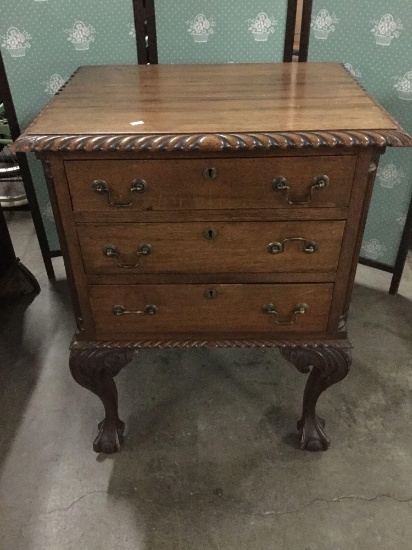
x=210, y=184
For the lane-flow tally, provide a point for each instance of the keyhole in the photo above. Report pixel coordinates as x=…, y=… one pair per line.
x=210, y=234
x=210, y=173
x=211, y=294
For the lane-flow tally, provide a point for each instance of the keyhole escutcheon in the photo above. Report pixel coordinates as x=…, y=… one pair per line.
x=210, y=173
x=210, y=233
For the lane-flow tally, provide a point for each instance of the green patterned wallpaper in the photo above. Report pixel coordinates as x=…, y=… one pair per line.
x=374, y=41
x=43, y=42
x=220, y=31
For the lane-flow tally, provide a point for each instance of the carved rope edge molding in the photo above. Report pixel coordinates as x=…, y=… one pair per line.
x=188, y=344
x=211, y=142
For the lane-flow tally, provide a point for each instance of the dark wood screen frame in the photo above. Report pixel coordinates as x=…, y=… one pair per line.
x=305, y=30
x=404, y=246
x=6, y=97
x=145, y=23
x=402, y=254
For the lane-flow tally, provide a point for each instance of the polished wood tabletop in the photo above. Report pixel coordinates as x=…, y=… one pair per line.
x=164, y=99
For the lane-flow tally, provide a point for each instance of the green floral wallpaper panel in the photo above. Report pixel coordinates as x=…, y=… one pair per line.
x=374, y=41
x=43, y=42
x=220, y=31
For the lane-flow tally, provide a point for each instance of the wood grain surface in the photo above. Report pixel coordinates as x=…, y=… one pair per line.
x=182, y=185
x=185, y=309
x=171, y=99
x=234, y=247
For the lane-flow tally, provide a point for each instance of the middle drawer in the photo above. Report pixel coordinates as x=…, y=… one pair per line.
x=211, y=247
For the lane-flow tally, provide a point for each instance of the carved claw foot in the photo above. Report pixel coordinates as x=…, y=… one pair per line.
x=330, y=364
x=110, y=437
x=94, y=369
x=312, y=435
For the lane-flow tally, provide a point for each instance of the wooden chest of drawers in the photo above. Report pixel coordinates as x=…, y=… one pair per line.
x=211, y=206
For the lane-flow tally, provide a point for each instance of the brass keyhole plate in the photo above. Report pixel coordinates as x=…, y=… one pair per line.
x=210, y=294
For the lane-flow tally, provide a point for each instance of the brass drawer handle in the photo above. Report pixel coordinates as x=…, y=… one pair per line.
x=101, y=187
x=210, y=173
x=281, y=184
x=310, y=247
x=111, y=251
x=148, y=310
x=300, y=309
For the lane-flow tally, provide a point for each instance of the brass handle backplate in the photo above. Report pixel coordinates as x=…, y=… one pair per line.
x=309, y=247
x=210, y=173
x=111, y=251
x=148, y=310
x=101, y=187
x=281, y=184
x=300, y=309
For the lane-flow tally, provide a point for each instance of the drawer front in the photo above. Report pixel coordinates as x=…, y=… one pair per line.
x=254, y=247
x=210, y=184
x=137, y=310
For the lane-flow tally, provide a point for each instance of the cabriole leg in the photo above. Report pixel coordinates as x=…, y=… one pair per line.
x=329, y=365
x=94, y=369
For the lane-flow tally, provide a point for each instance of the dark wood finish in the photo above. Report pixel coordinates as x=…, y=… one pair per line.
x=140, y=26
x=251, y=124
x=236, y=308
x=290, y=30
x=128, y=278
x=404, y=247
x=329, y=366
x=94, y=369
x=60, y=201
x=305, y=30
x=185, y=185
x=352, y=240
x=130, y=215
x=6, y=98
x=211, y=247
x=311, y=341
x=145, y=25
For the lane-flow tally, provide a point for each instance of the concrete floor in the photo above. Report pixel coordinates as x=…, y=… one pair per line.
x=211, y=459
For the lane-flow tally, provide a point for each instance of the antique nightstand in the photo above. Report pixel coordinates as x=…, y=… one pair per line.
x=211, y=206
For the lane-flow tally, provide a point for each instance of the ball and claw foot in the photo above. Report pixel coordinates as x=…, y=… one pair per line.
x=94, y=368
x=330, y=364
x=110, y=437
x=312, y=436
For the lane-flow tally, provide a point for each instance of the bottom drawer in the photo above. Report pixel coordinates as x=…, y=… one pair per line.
x=138, y=310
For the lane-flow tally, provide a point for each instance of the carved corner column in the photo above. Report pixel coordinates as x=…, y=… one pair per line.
x=94, y=369
x=330, y=364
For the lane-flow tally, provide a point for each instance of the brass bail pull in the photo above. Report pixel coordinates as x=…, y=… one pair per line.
x=281, y=184
x=309, y=247
x=300, y=309
x=111, y=251
x=102, y=187
x=121, y=310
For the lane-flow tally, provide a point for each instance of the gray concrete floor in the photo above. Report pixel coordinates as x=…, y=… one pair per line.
x=211, y=459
